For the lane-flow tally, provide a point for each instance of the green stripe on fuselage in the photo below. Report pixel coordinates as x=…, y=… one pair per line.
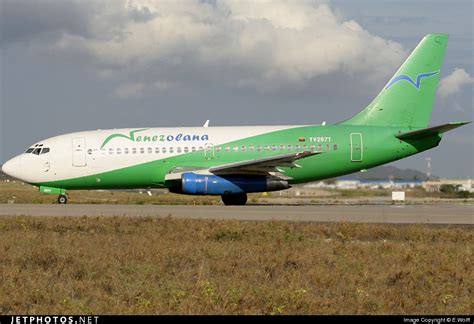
x=379, y=146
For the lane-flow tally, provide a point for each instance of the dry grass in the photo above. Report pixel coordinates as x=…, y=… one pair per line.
x=174, y=266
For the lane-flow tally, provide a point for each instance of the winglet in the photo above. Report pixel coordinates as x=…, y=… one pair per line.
x=206, y=124
x=430, y=131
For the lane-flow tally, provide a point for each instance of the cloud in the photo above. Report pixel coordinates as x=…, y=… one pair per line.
x=454, y=82
x=137, y=89
x=262, y=45
x=130, y=90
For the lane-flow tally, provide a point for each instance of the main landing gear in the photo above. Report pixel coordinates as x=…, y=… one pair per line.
x=234, y=199
x=62, y=199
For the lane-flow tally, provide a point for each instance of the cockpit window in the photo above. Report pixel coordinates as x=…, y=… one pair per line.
x=37, y=150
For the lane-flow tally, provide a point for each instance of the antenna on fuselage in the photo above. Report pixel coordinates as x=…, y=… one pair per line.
x=206, y=124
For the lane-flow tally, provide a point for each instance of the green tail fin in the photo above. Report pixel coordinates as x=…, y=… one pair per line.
x=407, y=99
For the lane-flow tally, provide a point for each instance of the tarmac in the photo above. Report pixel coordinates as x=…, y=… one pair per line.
x=389, y=214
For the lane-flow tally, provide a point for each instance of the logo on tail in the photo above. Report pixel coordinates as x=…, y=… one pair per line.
x=404, y=77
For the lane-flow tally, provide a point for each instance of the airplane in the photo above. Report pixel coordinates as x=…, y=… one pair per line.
x=234, y=161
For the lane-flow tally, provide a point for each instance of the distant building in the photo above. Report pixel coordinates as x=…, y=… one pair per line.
x=459, y=184
x=367, y=184
x=390, y=184
x=347, y=184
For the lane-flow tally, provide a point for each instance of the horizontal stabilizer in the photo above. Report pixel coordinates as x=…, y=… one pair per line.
x=430, y=131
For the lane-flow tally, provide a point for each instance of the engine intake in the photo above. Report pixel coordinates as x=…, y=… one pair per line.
x=200, y=184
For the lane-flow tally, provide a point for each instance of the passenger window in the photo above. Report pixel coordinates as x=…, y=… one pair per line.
x=251, y=148
x=186, y=149
x=282, y=147
x=236, y=148
x=171, y=149
x=328, y=147
x=267, y=147
x=119, y=151
x=89, y=151
x=312, y=148
x=163, y=150
x=290, y=147
x=259, y=148
x=150, y=150
x=142, y=150
x=227, y=149
x=218, y=149
x=178, y=149
x=125, y=150
x=320, y=148
x=274, y=147
x=335, y=147
x=243, y=148
x=111, y=151
x=304, y=147
x=157, y=150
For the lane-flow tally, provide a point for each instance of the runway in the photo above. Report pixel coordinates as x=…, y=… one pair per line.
x=397, y=214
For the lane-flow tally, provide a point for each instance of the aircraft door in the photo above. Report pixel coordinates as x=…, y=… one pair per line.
x=79, y=152
x=357, y=148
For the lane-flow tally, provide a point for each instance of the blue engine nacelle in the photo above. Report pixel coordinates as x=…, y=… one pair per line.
x=202, y=184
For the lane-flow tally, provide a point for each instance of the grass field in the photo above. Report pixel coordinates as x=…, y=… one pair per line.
x=172, y=266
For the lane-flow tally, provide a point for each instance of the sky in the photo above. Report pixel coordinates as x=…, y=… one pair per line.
x=69, y=66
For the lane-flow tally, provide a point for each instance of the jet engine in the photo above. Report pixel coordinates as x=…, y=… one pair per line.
x=208, y=184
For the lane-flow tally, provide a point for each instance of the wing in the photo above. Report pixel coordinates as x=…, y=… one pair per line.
x=268, y=165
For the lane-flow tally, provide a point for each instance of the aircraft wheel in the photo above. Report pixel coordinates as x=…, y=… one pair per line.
x=62, y=199
x=234, y=200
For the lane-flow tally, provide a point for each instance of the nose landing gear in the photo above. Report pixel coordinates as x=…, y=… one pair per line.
x=62, y=199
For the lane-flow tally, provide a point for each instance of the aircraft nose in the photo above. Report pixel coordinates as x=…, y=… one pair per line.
x=12, y=167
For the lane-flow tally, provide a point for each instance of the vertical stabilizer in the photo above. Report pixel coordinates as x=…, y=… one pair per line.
x=407, y=99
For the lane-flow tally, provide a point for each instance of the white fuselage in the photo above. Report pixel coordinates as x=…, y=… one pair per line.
x=81, y=154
